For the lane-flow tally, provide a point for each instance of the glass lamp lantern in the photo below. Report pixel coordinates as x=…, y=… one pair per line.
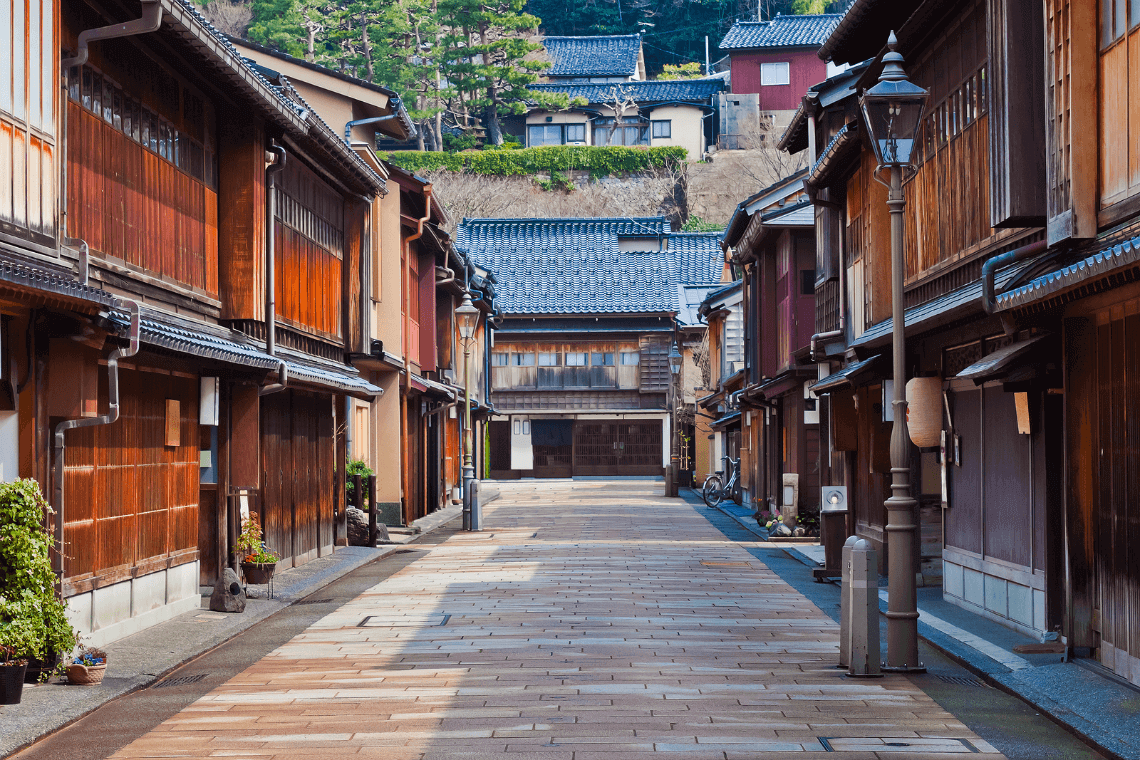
x=674, y=360
x=892, y=111
x=467, y=315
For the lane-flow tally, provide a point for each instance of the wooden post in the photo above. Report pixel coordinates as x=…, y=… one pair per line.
x=371, y=509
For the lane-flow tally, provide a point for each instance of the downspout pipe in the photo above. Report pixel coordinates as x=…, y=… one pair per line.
x=150, y=21
x=393, y=103
x=276, y=166
x=408, y=282
x=994, y=263
x=84, y=422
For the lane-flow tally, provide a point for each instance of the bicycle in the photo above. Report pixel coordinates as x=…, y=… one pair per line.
x=712, y=491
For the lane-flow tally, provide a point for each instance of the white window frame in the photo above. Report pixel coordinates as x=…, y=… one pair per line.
x=775, y=73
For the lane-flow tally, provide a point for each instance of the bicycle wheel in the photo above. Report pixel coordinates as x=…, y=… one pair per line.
x=712, y=492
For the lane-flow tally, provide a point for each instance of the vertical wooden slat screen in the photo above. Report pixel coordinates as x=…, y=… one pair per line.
x=131, y=204
x=29, y=84
x=130, y=499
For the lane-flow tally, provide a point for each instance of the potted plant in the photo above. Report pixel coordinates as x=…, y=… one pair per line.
x=257, y=560
x=33, y=619
x=87, y=667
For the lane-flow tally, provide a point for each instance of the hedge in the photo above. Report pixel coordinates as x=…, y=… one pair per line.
x=600, y=162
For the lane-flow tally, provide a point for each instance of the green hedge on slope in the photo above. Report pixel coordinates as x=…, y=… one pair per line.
x=600, y=162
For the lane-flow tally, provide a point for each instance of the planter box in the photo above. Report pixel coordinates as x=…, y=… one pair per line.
x=258, y=573
x=12, y=683
x=86, y=675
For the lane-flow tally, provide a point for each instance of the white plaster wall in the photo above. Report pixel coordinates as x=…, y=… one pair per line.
x=686, y=128
x=1000, y=599
x=9, y=446
x=114, y=612
x=522, y=452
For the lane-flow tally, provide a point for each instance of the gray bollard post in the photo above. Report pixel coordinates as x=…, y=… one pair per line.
x=864, y=653
x=476, y=510
x=372, y=527
x=845, y=603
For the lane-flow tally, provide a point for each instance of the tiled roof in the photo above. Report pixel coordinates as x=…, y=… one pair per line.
x=780, y=32
x=1101, y=264
x=642, y=92
x=573, y=266
x=613, y=55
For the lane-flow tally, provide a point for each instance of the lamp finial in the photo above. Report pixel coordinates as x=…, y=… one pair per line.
x=892, y=62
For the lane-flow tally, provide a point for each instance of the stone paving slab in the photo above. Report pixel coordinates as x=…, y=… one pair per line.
x=572, y=628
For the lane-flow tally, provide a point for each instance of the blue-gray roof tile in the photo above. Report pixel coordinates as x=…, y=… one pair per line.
x=612, y=55
x=781, y=32
x=642, y=92
x=574, y=266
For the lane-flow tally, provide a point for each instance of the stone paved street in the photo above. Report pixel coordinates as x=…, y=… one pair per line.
x=588, y=620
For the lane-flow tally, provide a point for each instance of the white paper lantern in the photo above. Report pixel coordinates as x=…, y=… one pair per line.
x=924, y=410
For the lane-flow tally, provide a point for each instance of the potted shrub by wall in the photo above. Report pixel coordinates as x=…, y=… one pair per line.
x=33, y=619
x=257, y=560
x=88, y=667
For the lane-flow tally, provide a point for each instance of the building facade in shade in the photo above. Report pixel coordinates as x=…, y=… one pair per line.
x=154, y=209
x=1020, y=290
x=602, y=59
x=579, y=369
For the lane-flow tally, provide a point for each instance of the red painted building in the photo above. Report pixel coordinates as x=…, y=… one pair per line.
x=762, y=71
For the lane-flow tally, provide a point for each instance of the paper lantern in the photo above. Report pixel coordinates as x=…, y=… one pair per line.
x=924, y=410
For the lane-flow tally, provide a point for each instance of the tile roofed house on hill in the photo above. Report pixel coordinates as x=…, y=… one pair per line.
x=773, y=63
x=579, y=371
x=610, y=58
x=656, y=113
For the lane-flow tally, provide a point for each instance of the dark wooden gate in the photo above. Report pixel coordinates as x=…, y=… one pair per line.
x=1103, y=513
x=553, y=442
x=617, y=448
x=297, y=454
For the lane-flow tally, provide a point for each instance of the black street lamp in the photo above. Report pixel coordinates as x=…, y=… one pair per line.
x=892, y=111
x=468, y=317
x=674, y=476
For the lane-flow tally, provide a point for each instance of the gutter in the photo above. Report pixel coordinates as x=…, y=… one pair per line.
x=150, y=21
x=84, y=422
x=275, y=167
x=395, y=104
x=989, y=269
x=408, y=282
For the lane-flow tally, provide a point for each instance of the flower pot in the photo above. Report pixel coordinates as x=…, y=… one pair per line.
x=86, y=675
x=12, y=683
x=38, y=668
x=258, y=573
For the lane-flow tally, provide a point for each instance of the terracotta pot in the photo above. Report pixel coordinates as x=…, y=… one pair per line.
x=258, y=573
x=86, y=675
x=12, y=683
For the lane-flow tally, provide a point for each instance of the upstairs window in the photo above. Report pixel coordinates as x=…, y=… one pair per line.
x=775, y=73
x=629, y=358
x=500, y=359
x=549, y=359
x=662, y=128
x=602, y=360
x=522, y=360
x=575, y=358
x=555, y=134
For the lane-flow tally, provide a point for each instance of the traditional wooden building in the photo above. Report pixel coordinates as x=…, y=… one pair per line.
x=1020, y=229
x=772, y=239
x=183, y=243
x=723, y=313
x=580, y=377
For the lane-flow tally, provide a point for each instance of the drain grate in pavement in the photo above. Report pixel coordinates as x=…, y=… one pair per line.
x=412, y=621
x=962, y=681
x=709, y=563
x=311, y=601
x=406, y=551
x=180, y=680
x=885, y=744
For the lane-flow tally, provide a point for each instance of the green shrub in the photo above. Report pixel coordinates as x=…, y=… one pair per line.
x=33, y=620
x=696, y=224
x=356, y=467
x=599, y=161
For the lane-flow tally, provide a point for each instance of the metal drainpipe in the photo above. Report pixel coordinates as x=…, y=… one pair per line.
x=271, y=172
x=150, y=21
x=408, y=283
x=448, y=276
x=83, y=422
x=989, y=269
x=393, y=103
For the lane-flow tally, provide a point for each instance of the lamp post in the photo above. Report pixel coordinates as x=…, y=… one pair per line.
x=675, y=360
x=892, y=111
x=468, y=317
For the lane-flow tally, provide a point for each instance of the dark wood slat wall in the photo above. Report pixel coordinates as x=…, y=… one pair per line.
x=241, y=217
x=132, y=501
x=128, y=203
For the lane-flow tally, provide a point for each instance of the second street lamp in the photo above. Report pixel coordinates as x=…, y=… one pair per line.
x=674, y=485
x=468, y=317
x=892, y=111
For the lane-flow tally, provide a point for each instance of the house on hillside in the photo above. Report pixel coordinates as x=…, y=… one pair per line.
x=597, y=60
x=636, y=113
x=580, y=373
x=208, y=228
x=772, y=64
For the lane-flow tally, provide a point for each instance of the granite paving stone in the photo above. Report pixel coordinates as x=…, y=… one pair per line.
x=589, y=620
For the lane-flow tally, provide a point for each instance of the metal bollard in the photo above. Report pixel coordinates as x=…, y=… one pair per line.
x=864, y=652
x=476, y=511
x=372, y=510
x=845, y=603
x=357, y=492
